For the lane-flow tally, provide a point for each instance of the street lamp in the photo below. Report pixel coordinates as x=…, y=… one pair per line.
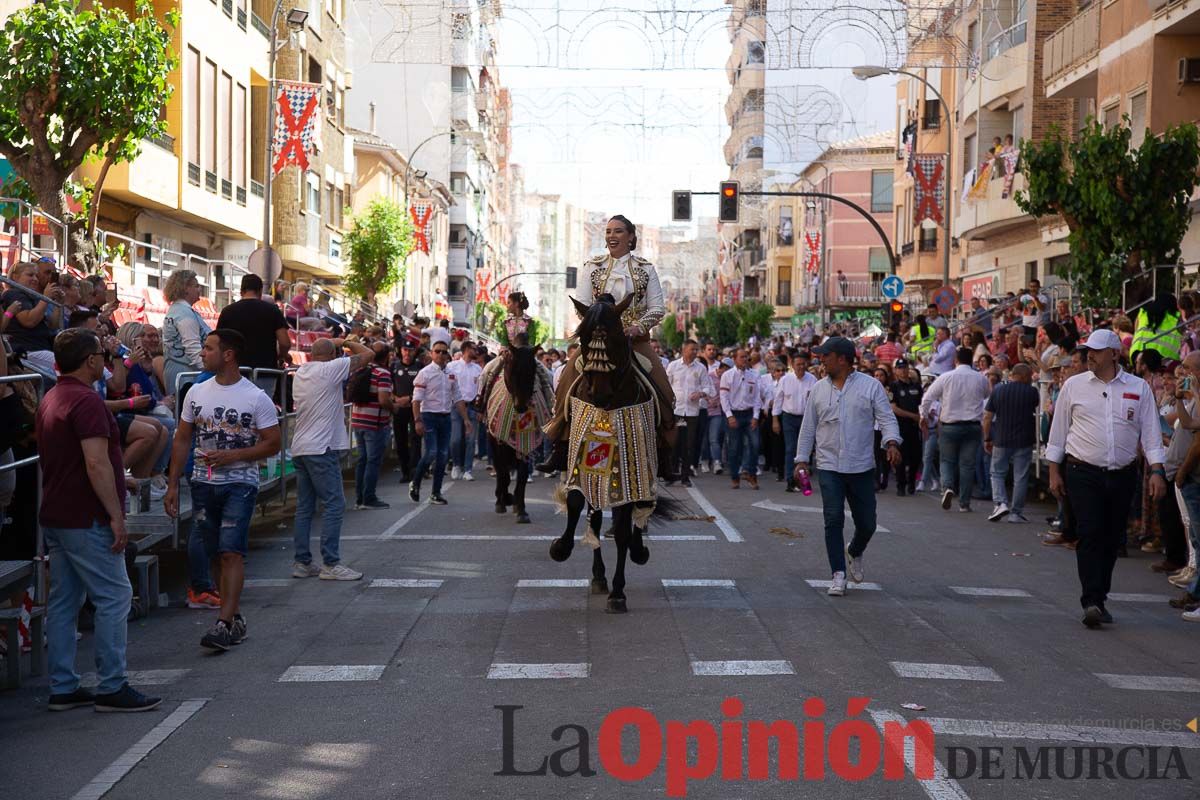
x=474, y=137
x=295, y=18
x=865, y=72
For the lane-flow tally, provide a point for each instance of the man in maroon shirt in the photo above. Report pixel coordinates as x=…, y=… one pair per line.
x=83, y=520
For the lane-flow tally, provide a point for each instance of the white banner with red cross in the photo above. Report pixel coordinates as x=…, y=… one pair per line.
x=421, y=213
x=297, y=124
x=812, y=245
x=929, y=193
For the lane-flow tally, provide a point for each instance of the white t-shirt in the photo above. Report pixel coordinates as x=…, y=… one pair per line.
x=227, y=418
x=320, y=418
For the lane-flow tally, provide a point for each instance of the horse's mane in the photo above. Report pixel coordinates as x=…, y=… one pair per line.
x=594, y=314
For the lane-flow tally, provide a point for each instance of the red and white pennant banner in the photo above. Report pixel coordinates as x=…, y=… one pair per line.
x=929, y=193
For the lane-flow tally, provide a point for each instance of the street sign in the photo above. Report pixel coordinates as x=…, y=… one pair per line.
x=892, y=286
x=945, y=298
x=681, y=206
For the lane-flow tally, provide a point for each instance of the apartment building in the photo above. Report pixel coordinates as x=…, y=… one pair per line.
x=1129, y=57
x=380, y=171
x=552, y=240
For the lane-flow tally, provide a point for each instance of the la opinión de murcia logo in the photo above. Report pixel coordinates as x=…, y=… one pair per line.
x=852, y=750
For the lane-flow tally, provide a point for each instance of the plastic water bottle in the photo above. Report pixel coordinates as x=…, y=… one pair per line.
x=805, y=483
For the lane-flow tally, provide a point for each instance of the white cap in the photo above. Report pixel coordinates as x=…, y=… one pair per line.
x=1102, y=339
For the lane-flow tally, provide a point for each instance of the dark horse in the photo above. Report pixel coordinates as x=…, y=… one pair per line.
x=608, y=380
x=513, y=396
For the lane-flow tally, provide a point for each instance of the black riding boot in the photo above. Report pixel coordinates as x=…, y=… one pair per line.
x=666, y=469
x=557, y=461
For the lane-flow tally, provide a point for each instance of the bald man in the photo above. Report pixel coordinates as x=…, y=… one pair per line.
x=319, y=439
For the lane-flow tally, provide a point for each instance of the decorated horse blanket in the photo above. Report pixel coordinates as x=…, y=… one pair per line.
x=612, y=454
x=520, y=431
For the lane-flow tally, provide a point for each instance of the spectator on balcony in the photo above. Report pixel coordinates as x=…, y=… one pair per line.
x=843, y=284
x=298, y=312
x=33, y=323
x=184, y=330
x=268, y=345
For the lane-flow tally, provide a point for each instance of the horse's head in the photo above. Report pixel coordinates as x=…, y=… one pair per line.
x=603, y=344
x=520, y=372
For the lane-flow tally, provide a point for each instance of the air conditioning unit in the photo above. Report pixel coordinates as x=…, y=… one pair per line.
x=1189, y=70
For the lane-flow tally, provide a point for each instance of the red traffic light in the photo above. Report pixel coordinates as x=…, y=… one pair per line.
x=897, y=307
x=730, y=191
x=727, y=206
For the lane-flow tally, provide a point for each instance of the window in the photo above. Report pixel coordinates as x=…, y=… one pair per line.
x=192, y=95
x=877, y=260
x=973, y=40
x=1018, y=124
x=902, y=232
x=881, y=190
x=335, y=249
x=928, y=241
x=239, y=137
x=970, y=154
x=339, y=206
x=1137, y=120
x=225, y=130
x=329, y=203
x=1111, y=116
x=786, y=235
x=208, y=91
x=312, y=193
x=314, y=69
x=458, y=183
x=932, y=118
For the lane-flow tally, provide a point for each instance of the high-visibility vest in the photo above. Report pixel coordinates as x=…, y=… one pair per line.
x=1170, y=340
x=923, y=345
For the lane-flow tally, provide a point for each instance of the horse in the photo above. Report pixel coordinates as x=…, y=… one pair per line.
x=599, y=474
x=514, y=404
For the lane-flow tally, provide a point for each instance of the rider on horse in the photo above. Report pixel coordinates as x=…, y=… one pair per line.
x=620, y=273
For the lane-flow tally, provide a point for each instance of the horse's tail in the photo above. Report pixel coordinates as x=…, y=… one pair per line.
x=560, y=497
x=667, y=508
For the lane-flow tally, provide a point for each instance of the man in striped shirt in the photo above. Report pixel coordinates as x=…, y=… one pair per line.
x=371, y=423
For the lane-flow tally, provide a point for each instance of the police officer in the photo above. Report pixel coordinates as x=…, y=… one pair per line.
x=408, y=444
x=906, y=403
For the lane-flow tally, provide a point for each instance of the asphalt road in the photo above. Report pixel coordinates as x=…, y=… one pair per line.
x=389, y=687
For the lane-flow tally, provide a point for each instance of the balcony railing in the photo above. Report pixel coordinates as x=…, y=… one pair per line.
x=193, y=174
x=210, y=181
x=257, y=23
x=241, y=195
x=927, y=245
x=166, y=141
x=257, y=189
x=906, y=249
x=226, y=189
x=1072, y=44
x=1005, y=40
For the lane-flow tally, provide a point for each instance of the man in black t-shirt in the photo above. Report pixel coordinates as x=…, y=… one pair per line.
x=264, y=328
x=408, y=444
x=906, y=403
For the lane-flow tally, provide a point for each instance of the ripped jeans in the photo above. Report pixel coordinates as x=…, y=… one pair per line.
x=220, y=524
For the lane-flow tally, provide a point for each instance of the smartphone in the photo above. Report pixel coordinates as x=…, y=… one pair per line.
x=1185, y=385
x=110, y=293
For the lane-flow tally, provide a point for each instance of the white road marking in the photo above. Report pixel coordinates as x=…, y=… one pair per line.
x=1137, y=597
x=867, y=585
x=1043, y=732
x=680, y=537
x=719, y=582
x=731, y=533
x=390, y=533
x=552, y=583
x=947, y=672
x=941, y=786
x=742, y=668
x=332, y=672
x=537, y=671
x=141, y=677
x=114, y=772
x=771, y=505
x=405, y=583
x=356, y=537
x=268, y=582
x=986, y=591
x=479, y=537
x=1151, y=683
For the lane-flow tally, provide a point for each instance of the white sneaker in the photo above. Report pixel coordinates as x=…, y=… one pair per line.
x=455, y=474
x=718, y=469
x=1192, y=616
x=304, y=570
x=855, y=567
x=998, y=512
x=704, y=468
x=838, y=588
x=467, y=476
x=947, y=499
x=532, y=472
x=339, y=572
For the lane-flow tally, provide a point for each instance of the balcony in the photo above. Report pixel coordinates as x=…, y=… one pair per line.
x=456, y=262
x=991, y=215
x=1176, y=17
x=1071, y=56
x=151, y=179
x=463, y=107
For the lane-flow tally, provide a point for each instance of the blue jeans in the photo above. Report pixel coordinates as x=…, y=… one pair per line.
x=435, y=449
x=169, y=422
x=1191, y=496
x=83, y=565
x=222, y=518
x=319, y=477
x=929, y=465
x=741, y=446
x=372, y=444
x=717, y=426
x=838, y=489
x=983, y=471
x=462, y=448
x=1020, y=458
x=958, y=443
x=790, y=425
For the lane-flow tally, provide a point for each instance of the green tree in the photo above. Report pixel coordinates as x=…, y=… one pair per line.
x=379, y=241
x=76, y=83
x=669, y=334
x=754, y=319
x=1124, y=208
x=718, y=324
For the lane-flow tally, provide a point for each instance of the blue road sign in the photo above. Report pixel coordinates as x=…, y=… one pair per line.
x=892, y=286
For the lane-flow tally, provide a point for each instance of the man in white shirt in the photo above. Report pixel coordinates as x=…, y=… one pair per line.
x=435, y=398
x=963, y=393
x=465, y=371
x=689, y=381
x=319, y=439
x=943, y=352
x=715, y=426
x=1100, y=418
x=1035, y=307
x=740, y=402
x=791, y=398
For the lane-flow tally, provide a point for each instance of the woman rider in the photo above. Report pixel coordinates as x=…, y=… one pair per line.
x=517, y=321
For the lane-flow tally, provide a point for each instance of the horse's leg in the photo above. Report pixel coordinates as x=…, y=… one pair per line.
x=522, y=479
x=599, y=581
x=560, y=548
x=638, y=552
x=622, y=530
x=500, y=457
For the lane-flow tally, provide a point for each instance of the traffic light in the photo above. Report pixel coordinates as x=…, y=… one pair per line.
x=895, y=313
x=681, y=206
x=728, y=202
x=572, y=277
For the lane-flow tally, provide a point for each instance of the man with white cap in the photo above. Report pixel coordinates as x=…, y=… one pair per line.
x=1100, y=418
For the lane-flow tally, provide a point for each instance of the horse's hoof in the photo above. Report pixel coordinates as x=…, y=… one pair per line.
x=560, y=551
x=501, y=508
x=616, y=605
x=639, y=555
x=522, y=518
x=599, y=586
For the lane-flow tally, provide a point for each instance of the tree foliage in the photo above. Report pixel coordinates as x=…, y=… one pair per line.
x=754, y=319
x=719, y=325
x=1124, y=208
x=669, y=334
x=76, y=83
x=379, y=240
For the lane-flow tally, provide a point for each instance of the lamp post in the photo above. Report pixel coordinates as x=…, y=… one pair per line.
x=865, y=72
x=296, y=18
